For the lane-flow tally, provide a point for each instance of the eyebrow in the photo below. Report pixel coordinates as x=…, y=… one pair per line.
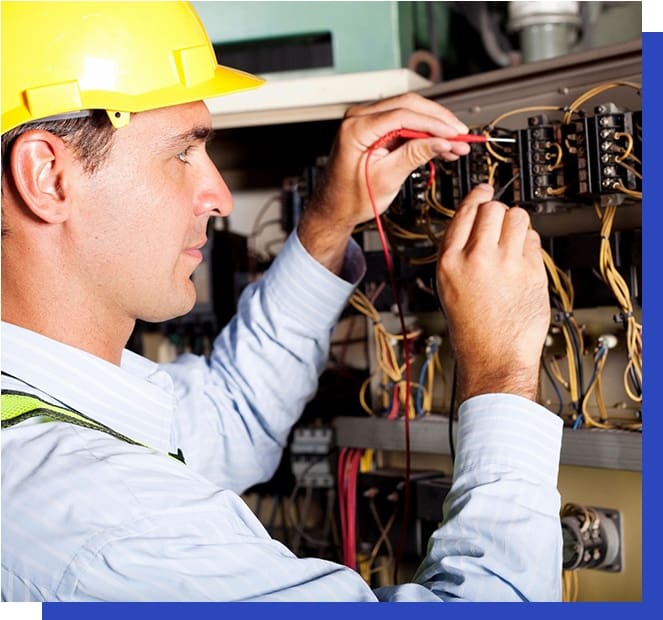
x=195, y=134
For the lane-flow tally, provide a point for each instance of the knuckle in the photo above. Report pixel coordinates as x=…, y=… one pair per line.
x=353, y=110
x=409, y=99
x=518, y=215
x=348, y=128
x=478, y=256
x=533, y=241
x=493, y=208
x=446, y=262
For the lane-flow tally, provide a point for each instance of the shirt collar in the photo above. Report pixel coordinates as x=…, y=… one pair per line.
x=136, y=399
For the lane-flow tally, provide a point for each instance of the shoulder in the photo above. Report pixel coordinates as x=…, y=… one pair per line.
x=68, y=492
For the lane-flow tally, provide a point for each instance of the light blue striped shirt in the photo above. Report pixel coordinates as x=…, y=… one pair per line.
x=87, y=517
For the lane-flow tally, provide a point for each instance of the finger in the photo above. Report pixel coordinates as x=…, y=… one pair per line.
x=459, y=229
x=417, y=152
x=375, y=126
x=514, y=231
x=414, y=102
x=532, y=247
x=488, y=224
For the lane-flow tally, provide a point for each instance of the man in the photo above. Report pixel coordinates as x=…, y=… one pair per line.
x=104, y=215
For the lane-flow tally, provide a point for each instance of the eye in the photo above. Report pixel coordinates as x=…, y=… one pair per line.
x=183, y=155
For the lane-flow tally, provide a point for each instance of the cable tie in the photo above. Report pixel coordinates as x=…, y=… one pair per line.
x=563, y=315
x=622, y=317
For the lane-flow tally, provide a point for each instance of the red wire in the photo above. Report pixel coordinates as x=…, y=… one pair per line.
x=341, y=496
x=381, y=142
x=347, y=471
x=352, y=508
x=395, y=404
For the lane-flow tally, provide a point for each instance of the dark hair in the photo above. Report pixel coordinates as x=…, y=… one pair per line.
x=90, y=137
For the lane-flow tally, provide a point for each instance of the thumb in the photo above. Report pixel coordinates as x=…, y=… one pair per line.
x=397, y=164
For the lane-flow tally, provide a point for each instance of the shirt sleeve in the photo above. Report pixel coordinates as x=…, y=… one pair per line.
x=129, y=524
x=236, y=409
x=501, y=537
x=500, y=541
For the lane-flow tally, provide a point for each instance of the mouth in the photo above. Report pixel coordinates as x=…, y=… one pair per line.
x=195, y=250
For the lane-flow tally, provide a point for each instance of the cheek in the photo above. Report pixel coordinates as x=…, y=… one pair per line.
x=151, y=204
x=139, y=217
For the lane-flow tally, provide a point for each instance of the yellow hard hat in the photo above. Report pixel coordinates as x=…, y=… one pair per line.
x=123, y=57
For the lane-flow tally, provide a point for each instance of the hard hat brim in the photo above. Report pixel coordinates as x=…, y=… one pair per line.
x=225, y=81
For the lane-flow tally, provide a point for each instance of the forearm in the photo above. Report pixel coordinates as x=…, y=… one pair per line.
x=236, y=411
x=501, y=537
x=323, y=237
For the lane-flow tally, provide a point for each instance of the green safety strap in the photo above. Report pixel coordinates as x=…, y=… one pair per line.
x=19, y=406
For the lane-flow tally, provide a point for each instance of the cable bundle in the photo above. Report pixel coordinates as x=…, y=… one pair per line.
x=563, y=294
x=393, y=378
x=347, y=471
x=619, y=288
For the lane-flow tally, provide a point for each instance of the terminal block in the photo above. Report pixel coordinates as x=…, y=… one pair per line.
x=479, y=166
x=605, y=151
x=310, y=456
x=469, y=171
x=412, y=197
x=539, y=167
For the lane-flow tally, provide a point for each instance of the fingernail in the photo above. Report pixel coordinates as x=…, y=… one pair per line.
x=486, y=187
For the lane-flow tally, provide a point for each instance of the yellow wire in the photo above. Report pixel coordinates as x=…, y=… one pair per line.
x=589, y=420
x=557, y=372
x=490, y=147
x=619, y=288
x=563, y=288
x=362, y=395
x=558, y=191
x=385, y=352
x=435, y=203
x=570, y=586
x=629, y=148
x=593, y=92
x=631, y=169
x=404, y=233
x=501, y=117
x=560, y=154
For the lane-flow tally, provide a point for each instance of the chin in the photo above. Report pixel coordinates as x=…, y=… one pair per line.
x=170, y=310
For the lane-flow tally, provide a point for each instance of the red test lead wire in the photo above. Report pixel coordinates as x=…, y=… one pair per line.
x=380, y=143
x=461, y=137
x=472, y=137
x=408, y=134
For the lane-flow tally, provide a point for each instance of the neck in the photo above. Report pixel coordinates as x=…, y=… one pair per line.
x=53, y=308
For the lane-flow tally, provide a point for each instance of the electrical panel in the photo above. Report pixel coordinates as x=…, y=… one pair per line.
x=575, y=164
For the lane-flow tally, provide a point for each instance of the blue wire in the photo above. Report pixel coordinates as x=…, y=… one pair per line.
x=599, y=354
x=579, y=421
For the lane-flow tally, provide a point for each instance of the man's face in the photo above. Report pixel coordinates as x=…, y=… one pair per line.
x=141, y=218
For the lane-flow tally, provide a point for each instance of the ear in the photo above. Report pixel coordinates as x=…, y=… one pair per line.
x=41, y=167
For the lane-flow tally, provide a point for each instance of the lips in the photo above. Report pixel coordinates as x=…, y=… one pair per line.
x=194, y=250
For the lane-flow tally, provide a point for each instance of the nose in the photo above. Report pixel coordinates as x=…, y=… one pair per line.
x=213, y=197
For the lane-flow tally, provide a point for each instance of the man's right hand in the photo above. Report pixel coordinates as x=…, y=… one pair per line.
x=494, y=291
